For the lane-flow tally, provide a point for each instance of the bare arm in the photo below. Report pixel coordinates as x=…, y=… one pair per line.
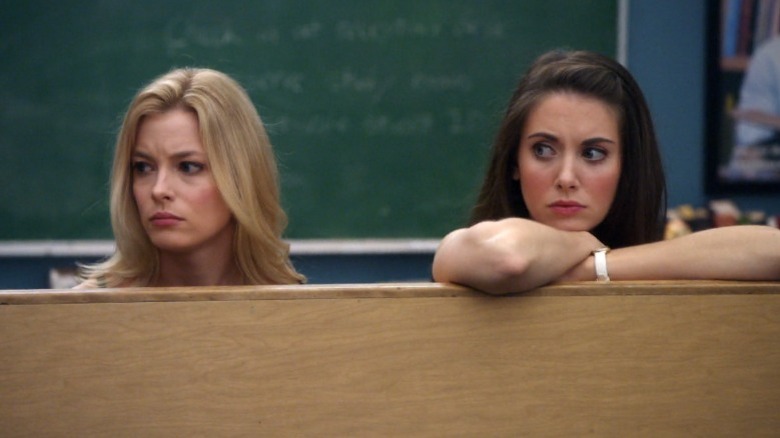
x=747, y=252
x=510, y=255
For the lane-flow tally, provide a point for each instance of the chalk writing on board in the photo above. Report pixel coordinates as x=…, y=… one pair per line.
x=440, y=83
x=399, y=28
x=312, y=125
x=413, y=124
x=269, y=35
x=466, y=121
x=180, y=35
x=351, y=81
x=307, y=31
x=348, y=80
x=454, y=121
x=402, y=28
x=278, y=80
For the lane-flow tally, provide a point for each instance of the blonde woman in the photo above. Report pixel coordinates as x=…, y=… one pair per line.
x=194, y=190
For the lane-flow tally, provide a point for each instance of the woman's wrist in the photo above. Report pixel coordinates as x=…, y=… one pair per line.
x=582, y=271
x=583, y=243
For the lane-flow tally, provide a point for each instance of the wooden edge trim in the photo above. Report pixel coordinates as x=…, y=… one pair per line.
x=377, y=290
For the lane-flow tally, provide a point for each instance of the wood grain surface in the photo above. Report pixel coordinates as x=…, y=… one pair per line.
x=631, y=359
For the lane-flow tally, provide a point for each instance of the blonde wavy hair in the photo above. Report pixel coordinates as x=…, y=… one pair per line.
x=244, y=169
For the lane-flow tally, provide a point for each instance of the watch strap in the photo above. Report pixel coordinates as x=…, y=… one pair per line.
x=600, y=262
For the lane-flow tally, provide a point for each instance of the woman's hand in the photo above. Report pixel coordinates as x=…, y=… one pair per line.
x=510, y=255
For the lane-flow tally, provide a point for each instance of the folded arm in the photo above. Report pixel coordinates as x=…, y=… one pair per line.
x=510, y=255
x=748, y=252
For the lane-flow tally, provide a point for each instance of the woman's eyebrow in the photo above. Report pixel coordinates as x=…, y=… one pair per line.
x=184, y=154
x=139, y=154
x=544, y=135
x=597, y=140
x=178, y=155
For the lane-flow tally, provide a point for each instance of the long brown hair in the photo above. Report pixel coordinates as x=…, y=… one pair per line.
x=638, y=211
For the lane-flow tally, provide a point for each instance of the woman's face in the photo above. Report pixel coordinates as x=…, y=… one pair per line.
x=180, y=206
x=569, y=161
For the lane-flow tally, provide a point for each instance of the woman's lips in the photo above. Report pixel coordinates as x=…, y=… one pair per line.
x=566, y=208
x=164, y=219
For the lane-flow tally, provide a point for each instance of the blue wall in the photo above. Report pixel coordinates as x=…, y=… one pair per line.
x=666, y=54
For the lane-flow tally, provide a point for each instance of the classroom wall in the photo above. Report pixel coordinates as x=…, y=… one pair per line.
x=666, y=53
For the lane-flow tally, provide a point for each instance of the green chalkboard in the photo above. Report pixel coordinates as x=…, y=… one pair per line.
x=381, y=111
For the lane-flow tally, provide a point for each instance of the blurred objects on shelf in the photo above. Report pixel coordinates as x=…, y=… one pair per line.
x=686, y=219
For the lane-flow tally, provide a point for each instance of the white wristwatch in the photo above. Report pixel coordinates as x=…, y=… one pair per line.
x=600, y=261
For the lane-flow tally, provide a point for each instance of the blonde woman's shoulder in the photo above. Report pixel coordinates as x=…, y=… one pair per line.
x=90, y=283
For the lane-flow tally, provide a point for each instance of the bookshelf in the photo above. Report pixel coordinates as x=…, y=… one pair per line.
x=746, y=25
x=737, y=29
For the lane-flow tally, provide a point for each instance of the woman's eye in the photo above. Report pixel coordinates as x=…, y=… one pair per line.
x=190, y=167
x=594, y=154
x=141, y=167
x=543, y=150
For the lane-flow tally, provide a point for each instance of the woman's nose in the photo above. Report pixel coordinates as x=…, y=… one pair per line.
x=567, y=175
x=161, y=190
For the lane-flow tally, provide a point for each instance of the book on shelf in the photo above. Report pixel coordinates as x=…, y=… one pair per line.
x=746, y=24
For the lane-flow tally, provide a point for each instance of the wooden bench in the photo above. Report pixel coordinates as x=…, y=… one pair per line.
x=417, y=359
